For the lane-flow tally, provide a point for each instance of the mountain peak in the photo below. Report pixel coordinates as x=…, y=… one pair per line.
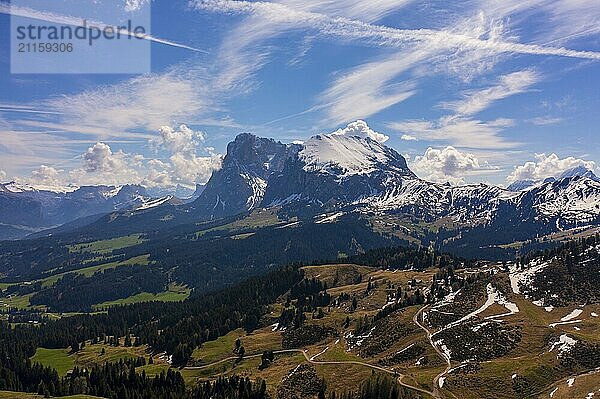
x=580, y=171
x=345, y=155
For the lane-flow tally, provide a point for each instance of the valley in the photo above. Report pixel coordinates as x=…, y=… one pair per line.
x=457, y=330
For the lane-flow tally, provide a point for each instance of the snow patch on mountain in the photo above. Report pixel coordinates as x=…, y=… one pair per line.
x=154, y=203
x=563, y=345
x=523, y=278
x=258, y=187
x=575, y=313
x=14, y=187
x=328, y=218
x=344, y=156
x=493, y=296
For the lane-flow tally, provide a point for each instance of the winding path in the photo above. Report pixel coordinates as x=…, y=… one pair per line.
x=436, y=381
x=317, y=362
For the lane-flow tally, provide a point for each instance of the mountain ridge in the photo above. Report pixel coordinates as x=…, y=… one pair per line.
x=332, y=175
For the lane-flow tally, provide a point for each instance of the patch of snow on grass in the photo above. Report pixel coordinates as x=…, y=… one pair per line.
x=494, y=296
x=564, y=344
x=553, y=392
x=575, y=313
x=594, y=314
x=564, y=322
x=328, y=219
x=319, y=354
x=444, y=349
x=570, y=382
x=441, y=381
x=540, y=303
x=524, y=277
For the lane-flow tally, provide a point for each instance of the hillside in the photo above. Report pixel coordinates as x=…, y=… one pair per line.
x=416, y=322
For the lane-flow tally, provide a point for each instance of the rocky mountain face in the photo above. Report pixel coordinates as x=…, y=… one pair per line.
x=240, y=184
x=26, y=209
x=339, y=173
x=320, y=180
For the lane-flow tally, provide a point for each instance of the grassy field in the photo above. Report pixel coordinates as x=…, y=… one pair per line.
x=92, y=355
x=89, y=271
x=4, y=286
x=16, y=301
x=257, y=219
x=55, y=358
x=218, y=349
x=173, y=294
x=103, y=247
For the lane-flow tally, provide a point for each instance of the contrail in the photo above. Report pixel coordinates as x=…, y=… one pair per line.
x=75, y=21
x=384, y=36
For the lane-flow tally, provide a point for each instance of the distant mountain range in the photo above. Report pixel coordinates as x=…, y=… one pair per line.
x=26, y=209
x=322, y=180
x=338, y=174
x=580, y=171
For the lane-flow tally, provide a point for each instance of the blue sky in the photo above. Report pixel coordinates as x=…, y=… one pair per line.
x=468, y=92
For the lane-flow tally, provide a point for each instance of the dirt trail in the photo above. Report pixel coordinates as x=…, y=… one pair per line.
x=320, y=362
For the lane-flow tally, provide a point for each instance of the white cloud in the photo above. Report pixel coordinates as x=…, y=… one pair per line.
x=470, y=46
x=184, y=166
x=545, y=120
x=46, y=175
x=408, y=137
x=134, y=5
x=475, y=101
x=183, y=140
x=464, y=132
x=101, y=165
x=459, y=128
x=367, y=89
x=350, y=29
x=194, y=169
x=100, y=158
x=145, y=102
x=2, y=175
x=563, y=20
x=546, y=166
x=361, y=129
x=447, y=165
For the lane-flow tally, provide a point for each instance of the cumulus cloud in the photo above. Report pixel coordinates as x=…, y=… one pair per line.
x=100, y=158
x=408, y=137
x=2, y=175
x=194, y=169
x=182, y=140
x=361, y=129
x=181, y=159
x=447, y=165
x=546, y=166
x=46, y=175
x=185, y=165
